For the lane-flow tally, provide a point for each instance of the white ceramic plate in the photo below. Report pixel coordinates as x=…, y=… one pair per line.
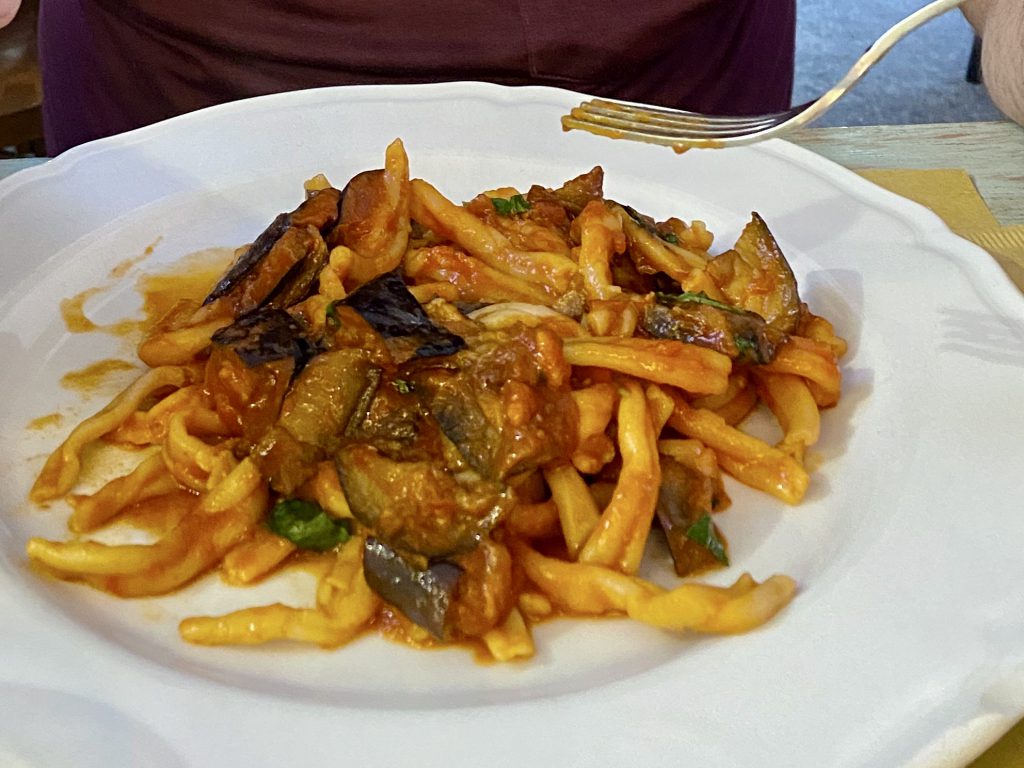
x=904, y=644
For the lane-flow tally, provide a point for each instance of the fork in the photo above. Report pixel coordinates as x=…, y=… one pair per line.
x=683, y=130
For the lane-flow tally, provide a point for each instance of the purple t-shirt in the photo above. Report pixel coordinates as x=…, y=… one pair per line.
x=113, y=65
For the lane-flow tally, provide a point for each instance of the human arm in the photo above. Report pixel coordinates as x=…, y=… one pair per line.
x=1000, y=23
x=7, y=10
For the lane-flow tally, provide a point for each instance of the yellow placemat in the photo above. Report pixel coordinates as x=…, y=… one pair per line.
x=953, y=196
x=1006, y=244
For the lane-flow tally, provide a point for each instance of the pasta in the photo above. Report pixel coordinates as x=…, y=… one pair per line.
x=466, y=418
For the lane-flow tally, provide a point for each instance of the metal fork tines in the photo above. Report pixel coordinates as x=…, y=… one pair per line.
x=682, y=130
x=654, y=124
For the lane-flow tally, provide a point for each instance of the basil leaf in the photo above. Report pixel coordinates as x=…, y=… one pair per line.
x=332, y=318
x=403, y=386
x=510, y=206
x=703, y=532
x=669, y=237
x=698, y=298
x=745, y=346
x=307, y=526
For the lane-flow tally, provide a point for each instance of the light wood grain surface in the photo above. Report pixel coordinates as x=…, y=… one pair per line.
x=991, y=153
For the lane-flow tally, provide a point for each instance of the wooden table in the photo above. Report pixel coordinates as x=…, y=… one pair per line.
x=992, y=153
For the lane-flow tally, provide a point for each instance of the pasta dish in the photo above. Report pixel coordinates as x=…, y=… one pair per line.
x=465, y=419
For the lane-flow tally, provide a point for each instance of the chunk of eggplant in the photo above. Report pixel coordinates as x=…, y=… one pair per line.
x=388, y=306
x=374, y=220
x=505, y=407
x=756, y=276
x=452, y=402
x=576, y=193
x=246, y=397
x=332, y=391
x=273, y=264
x=266, y=335
x=321, y=209
x=301, y=280
x=742, y=335
x=417, y=506
x=254, y=289
x=396, y=424
x=684, y=497
x=250, y=257
x=424, y=595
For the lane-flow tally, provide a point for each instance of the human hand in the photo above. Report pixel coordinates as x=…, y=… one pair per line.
x=8, y=8
x=1000, y=23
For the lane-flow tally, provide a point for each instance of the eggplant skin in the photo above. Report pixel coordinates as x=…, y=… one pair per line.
x=453, y=404
x=320, y=212
x=328, y=395
x=267, y=335
x=743, y=336
x=300, y=281
x=755, y=275
x=683, y=498
x=576, y=193
x=388, y=306
x=418, y=506
x=424, y=595
x=250, y=257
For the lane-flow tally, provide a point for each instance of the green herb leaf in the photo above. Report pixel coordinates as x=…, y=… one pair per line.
x=510, y=206
x=669, y=237
x=403, y=386
x=703, y=532
x=745, y=345
x=332, y=318
x=307, y=526
x=689, y=297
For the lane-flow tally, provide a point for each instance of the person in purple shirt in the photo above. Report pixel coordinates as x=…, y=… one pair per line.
x=113, y=65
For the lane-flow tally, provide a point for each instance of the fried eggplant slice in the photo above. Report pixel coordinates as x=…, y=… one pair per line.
x=755, y=275
x=250, y=257
x=388, y=306
x=684, y=499
x=251, y=365
x=321, y=209
x=453, y=403
x=277, y=255
x=418, y=506
x=302, y=279
x=264, y=336
x=696, y=319
x=246, y=397
x=374, y=220
x=504, y=403
x=333, y=390
x=424, y=595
